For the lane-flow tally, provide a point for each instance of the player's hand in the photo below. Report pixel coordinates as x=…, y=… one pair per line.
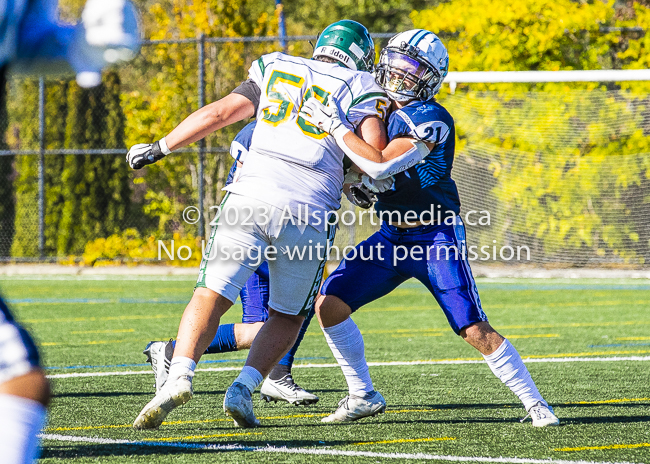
x=143, y=154
x=377, y=186
x=326, y=118
x=360, y=196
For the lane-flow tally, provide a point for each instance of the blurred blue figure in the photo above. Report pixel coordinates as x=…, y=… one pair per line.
x=33, y=40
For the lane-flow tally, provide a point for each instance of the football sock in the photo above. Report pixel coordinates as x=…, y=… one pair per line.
x=507, y=365
x=224, y=341
x=22, y=420
x=250, y=377
x=181, y=366
x=284, y=365
x=346, y=343
x=279, y=371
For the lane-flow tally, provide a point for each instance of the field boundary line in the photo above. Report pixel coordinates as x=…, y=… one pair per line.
x=315, y=451
x=371, y=364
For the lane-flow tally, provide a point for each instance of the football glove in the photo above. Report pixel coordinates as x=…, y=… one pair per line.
x=377, y=186
x=326, y=118
x=360, y=196
x=143, y=154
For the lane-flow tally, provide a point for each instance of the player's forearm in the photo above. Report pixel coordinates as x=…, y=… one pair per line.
x=193, y=128
x=398, y=156
x=366, y=157
x=374, y=151
x=362, y=148
x=372, y=130
x=208, y=119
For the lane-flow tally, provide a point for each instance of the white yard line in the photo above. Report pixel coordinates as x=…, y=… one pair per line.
x=315, y=451
x=372, y=364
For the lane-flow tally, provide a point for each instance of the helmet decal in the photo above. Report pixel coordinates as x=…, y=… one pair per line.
x=349, y=43
x=337, y=54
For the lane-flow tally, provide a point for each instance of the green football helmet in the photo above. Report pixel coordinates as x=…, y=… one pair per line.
x=349, y=43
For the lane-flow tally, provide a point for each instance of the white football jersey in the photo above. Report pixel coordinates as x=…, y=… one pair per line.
x=291, y=163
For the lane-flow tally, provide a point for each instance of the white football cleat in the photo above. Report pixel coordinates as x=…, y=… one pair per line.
x=238, y=404
x=542, y=415
x=285, y=389
x=175, y=393
x=159, y=355
x=353, y=408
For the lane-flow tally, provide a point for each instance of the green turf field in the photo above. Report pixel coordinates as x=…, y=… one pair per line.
x=587, y=344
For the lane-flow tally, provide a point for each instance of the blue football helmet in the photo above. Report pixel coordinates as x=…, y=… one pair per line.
x=412, y=66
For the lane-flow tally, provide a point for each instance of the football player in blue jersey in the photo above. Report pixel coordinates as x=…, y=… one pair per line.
x=279, y=385
x=33, y=40
x=421, y=234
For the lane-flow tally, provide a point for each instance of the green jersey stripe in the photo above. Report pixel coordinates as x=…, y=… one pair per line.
x=260, y=63
x=365, y=97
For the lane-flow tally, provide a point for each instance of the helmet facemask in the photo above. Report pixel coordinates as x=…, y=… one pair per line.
x=406, y=76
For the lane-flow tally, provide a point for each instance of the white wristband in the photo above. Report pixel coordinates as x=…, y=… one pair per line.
x=163, y=146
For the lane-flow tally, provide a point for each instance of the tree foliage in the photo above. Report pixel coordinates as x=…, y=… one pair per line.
x=164, y=90
x=25, y=242
x=7, y=208
x=96, y=187
x=523, y=35
x=566, y=193
x=561, y=193
x=307, y=17
x=87, y=196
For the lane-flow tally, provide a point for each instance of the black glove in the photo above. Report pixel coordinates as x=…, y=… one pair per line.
x=143, y=154
x=361, y=196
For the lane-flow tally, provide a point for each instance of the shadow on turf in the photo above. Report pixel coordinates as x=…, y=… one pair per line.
x=603, y=420
x=127, y=393
x=457, y=406
x=513, y=405
x=564, y=420
x=606, y=405
x=82, y=451
x=100, y=394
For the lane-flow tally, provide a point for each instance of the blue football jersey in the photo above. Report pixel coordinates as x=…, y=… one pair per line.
x=427, y=186
x=239, y=148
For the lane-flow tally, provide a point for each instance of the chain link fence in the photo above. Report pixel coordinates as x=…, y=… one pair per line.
x=67, y=195
x=63, y=180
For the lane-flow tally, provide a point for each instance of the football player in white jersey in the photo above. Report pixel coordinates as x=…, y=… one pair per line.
x=411, y=69
x=291, y=181
x=279, y=384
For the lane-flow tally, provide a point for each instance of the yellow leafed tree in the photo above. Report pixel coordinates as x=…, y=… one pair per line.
x=563, y=167
x=163, y=91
